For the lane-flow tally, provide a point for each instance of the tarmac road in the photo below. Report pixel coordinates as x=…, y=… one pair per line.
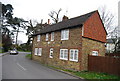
x=19, y=67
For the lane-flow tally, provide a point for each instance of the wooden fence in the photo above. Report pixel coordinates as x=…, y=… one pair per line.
x=112, y=54
x=105, y=64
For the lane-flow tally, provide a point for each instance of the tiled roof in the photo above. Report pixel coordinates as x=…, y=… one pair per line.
x=73, y=22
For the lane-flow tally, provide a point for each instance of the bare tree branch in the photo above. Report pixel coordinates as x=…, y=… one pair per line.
x=107, y=18
x=55, y=15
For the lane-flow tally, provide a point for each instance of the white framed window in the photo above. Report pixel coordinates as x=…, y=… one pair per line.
x=65, y=34
x=38, y=38
x=74, y=55
x=95, y=53
x=52, y=36
x=39, y=51
x=36, y=51
x=47, y=37
x=64, y=54
x=51, y=53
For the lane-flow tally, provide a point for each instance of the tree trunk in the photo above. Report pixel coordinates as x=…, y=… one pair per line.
x=17, y=35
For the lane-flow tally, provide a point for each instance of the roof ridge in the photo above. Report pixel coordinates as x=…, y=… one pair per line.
x=85, y=14
x=75, y=17
x=72, y=22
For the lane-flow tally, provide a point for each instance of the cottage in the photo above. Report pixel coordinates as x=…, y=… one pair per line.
x=68, y=43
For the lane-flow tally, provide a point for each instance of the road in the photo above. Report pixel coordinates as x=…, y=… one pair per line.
x=19, y=67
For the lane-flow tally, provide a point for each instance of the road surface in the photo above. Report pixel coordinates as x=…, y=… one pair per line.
x=19, y=67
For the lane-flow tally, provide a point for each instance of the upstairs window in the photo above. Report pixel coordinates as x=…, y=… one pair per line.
x=38, y=38
x=65, y=34
x=47, y=37
x=52, y=36
x=51, y=53
x=64, y=54
x=74, y=55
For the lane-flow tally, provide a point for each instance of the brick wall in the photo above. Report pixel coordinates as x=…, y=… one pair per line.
x=74, y=42
x=94, y=29
x=88, y=46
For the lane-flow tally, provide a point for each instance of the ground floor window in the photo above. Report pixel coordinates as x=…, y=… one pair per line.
x=64, y=54
x=38, y=51
x=95, y=53
x=51, y=53
x=74, y=55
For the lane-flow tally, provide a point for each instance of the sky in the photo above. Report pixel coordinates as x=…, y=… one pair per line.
x=39, y=9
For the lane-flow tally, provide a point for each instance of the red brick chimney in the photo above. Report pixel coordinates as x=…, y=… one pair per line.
x=48, y=21
x=64, y=18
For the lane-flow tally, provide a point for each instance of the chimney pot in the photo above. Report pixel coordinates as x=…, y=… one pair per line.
x=65, y=18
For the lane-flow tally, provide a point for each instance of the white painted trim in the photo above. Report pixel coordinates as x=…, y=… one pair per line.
x=63, y=33
x=63, y=54
x=51, y=51
x=76, y=60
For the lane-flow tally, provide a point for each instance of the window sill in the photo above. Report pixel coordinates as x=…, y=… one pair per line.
x=63, y=59
x=64, y=39
x=74, y=60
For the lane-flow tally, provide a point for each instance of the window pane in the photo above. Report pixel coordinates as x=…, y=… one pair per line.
x=36, y=49
x=76, y=55
x=39, y=51
x=51, y=52
x=62, y=34
x=65, y=54
x=66, y=34
x=61, y=54
x=47, y=37
x=52, y=36
x=38, y=37
x=71, y=54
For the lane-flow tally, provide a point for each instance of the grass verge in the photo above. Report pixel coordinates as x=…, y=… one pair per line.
x=88, y=75
x=94, y=75
x=29, y=56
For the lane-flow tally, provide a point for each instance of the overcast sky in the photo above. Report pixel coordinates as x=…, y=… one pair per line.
x=39, y=9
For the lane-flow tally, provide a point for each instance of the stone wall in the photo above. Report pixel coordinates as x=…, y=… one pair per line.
x=88, y=46
x=74, y=42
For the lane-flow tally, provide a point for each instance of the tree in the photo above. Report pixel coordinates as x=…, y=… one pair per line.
x=6, y=16
x=107, y=18
x=8, y=21
x=55, y=15
x=6, y=42
x=31, y=29
x=115, y=39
